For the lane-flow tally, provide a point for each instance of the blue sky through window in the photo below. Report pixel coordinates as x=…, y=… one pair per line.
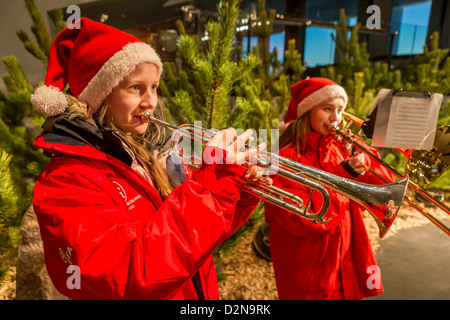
x=411, y=22
x=412, y=27
x=319, y=46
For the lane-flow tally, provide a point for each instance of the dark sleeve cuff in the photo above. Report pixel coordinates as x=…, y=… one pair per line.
x=349, y=169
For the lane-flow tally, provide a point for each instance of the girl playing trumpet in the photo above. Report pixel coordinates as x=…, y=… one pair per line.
x=112, y=224
x=331, y=260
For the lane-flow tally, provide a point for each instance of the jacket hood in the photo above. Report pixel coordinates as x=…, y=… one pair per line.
x=78, y=137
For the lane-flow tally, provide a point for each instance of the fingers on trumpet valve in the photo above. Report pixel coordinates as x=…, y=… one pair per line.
x=239, y=151
x=255, y=172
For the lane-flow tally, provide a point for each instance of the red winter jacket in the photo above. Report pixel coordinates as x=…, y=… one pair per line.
x=101, y=216
x=322, y=261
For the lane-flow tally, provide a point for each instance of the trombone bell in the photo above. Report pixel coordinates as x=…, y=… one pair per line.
x=384, y=215
x=421, y=167
x=382, y=201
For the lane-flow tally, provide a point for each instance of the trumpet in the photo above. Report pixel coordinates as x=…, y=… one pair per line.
x=415, y=164
x=382, y=201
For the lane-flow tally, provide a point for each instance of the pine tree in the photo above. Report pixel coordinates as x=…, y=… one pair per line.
x=362, y=80
x=269, y=100
x=9, y=232
x=19, y=125
x=431, y=72
x=41, y=48
x=353, y=70
x=222, y=88
x=258, y=95
x=202, y=89
x=268, y=87
x=20, y=122
x=262, y=29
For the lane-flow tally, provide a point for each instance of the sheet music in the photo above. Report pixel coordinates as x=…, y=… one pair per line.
x=408, y=122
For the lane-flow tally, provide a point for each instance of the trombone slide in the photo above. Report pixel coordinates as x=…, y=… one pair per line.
x=350, y=138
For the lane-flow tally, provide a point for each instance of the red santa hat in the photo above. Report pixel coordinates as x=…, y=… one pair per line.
x=92, y=60
x=310, y=92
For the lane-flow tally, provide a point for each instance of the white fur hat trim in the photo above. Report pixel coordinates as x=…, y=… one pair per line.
x=319, y=96
x=119, y=66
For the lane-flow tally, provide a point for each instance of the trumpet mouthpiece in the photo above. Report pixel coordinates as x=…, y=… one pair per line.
x=333, y=126
x=147, y=115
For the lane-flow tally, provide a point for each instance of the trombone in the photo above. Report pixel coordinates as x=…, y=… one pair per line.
x=382, y=201
x=412, y=167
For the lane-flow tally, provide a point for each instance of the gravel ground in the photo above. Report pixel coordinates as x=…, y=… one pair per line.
x=251, y=277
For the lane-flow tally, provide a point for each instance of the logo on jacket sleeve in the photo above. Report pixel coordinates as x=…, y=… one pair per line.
x=129, y=202
x=121, y=190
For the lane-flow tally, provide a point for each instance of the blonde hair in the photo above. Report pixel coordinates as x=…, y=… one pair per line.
x=140, y=145
x=295, y=134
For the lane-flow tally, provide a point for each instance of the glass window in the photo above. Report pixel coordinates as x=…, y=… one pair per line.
x=329, y=10
x=351, y=21
x=411, y=23
x=253, y=42
x=276, y=40
x=319, y=46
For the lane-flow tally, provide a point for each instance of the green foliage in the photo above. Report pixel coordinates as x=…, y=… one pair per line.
x=267, y=88
x=443, y=182
x=292, y=66
x=19, y=121
x=263, y=28
x=233, y=240
x=19, y=125
x=430, y=72
x=360, y=78
x=221, y=90
x=9, y=231
x=444, y=114
x=202, y=90
x=269, y=98
x=41, y=48
x=8, y=195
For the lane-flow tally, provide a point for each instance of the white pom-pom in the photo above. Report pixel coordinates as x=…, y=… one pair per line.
x=49, y=100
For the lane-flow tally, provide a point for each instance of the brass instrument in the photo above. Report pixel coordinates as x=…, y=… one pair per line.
x=382, y=201
x=425, y=166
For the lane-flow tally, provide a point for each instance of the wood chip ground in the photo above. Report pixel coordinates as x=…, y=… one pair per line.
x=251, y=277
